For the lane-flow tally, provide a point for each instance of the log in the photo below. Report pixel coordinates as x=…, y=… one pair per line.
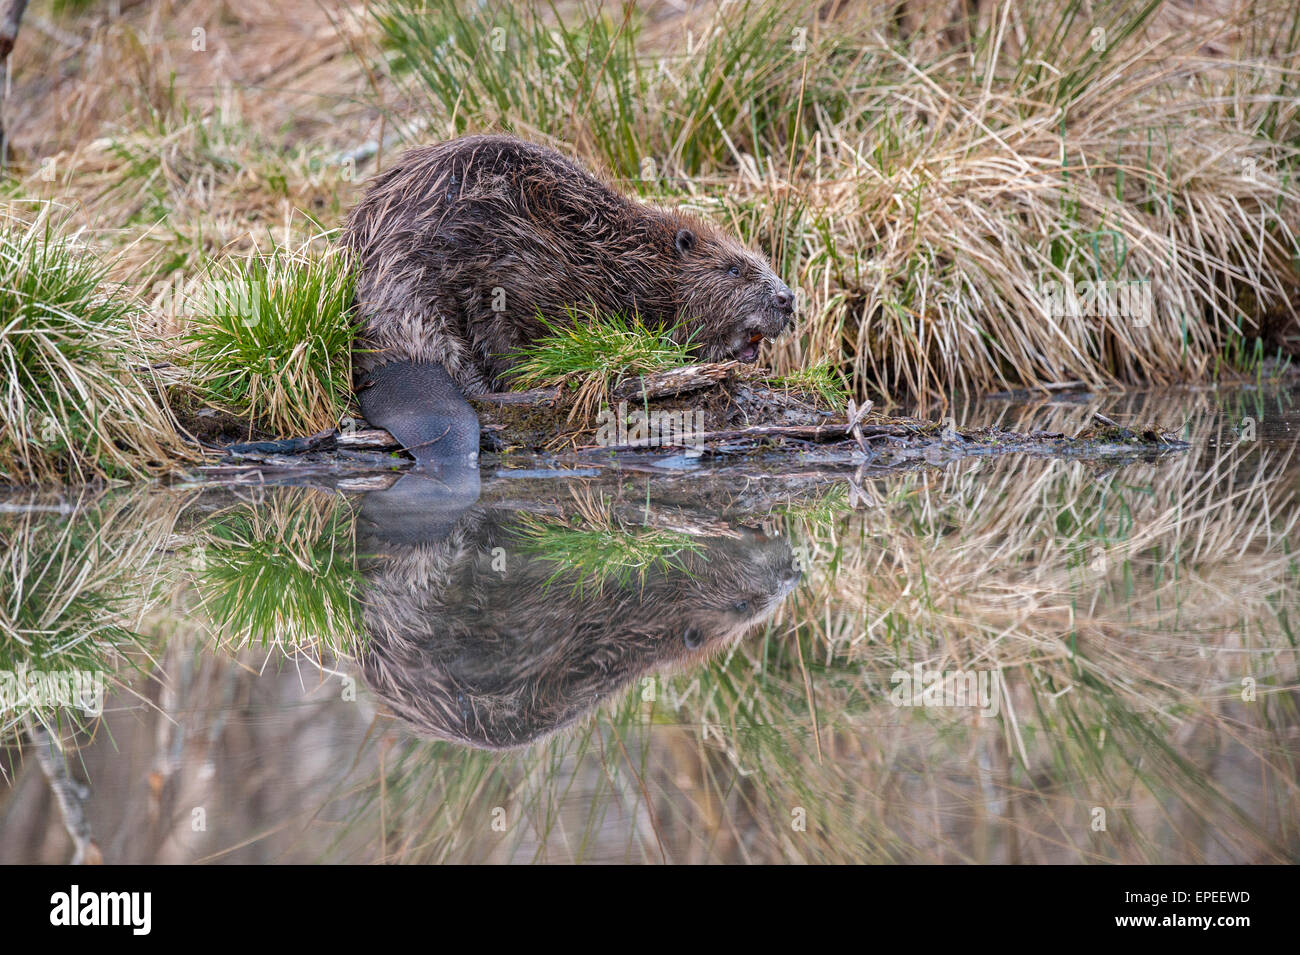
x=675, y=381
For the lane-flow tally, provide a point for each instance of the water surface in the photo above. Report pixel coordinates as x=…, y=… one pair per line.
x=997, y=659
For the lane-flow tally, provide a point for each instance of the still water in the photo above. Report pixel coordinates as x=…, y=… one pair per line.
x=994, y=659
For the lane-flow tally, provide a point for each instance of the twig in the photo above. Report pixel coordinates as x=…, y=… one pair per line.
x=69, y=793
x=855, y=416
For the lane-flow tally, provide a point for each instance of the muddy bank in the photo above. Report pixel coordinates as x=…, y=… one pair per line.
x=698, y=416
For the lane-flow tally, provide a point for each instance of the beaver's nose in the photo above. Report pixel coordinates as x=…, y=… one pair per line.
x=784, y=300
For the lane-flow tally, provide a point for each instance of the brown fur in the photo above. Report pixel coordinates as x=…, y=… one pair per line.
x=453, y=230
x=496, y=657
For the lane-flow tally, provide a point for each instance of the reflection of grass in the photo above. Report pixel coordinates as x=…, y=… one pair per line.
x=1114, y=608
x=605, y=554
x=1121, y=609
x=282, y=573
x=1111, y=703
x=75, y=583
x=439, y=802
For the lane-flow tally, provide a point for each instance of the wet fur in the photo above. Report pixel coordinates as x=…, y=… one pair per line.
x=452, y=229
x=496, y=659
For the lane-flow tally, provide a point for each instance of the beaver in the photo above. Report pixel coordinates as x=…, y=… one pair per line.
x=467, y=248
x=475, y=637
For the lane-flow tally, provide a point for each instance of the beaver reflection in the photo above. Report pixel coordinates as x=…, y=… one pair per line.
x=478, y=634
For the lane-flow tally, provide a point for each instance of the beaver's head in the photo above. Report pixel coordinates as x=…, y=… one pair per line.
x=729, y=298
x=732, y=586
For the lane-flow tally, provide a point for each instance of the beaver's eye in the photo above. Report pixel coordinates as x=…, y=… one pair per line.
x=740, y=606
x=735, y=270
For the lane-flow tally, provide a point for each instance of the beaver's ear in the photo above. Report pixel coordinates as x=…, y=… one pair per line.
x=685, y=241
x=692, y=638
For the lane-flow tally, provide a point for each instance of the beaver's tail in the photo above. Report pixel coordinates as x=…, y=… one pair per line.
x=419, y=405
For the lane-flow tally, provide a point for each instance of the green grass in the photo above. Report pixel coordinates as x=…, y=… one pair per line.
x=823, y=383
x=75, y=403
x=271, y=339
x=591, y=353
x=589, y=80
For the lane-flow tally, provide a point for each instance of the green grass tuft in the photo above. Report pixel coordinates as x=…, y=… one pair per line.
x=75, y=405
x=583, y=76
x=272, y=340
x=823, y=383
x=591, y=353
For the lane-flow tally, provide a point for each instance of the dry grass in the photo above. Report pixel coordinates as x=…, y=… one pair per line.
x=77, y=576
x=929, y=192
x=937, y=190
